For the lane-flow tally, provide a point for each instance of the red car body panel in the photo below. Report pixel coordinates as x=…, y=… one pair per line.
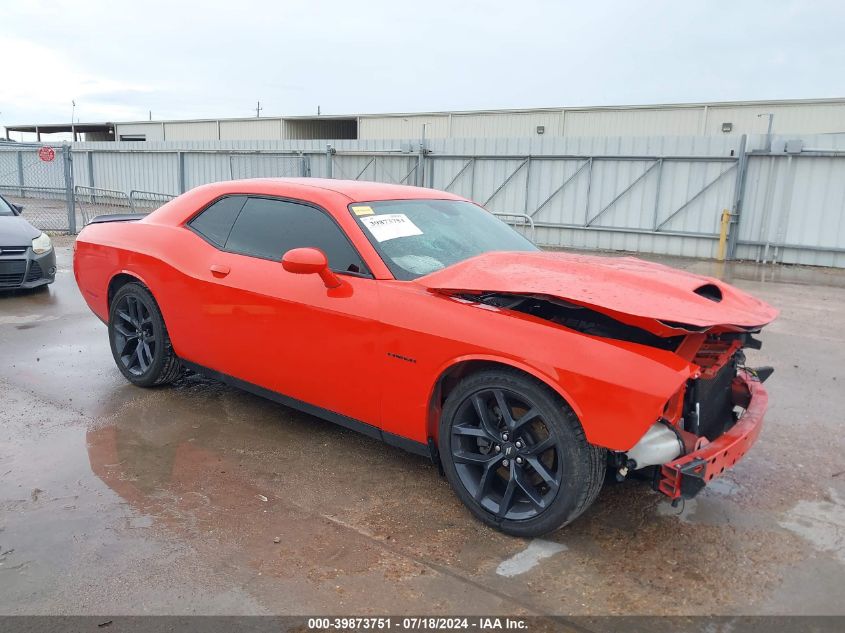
x=643, y=293
x=374, y=350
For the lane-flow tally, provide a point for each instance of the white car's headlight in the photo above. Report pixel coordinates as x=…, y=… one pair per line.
x=41, y=244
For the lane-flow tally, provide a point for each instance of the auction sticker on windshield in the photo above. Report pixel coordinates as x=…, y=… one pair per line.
x=390, y=226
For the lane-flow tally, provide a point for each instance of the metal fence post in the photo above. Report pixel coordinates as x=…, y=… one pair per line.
x=329, y=165
x=90, y=157
x=527, y=186
x=71, y=205
x=656, y=211
x=421, y=165
x=739, y=195
x=20, y=173
x=429, y=168
x=90, y=160
x=180, y=160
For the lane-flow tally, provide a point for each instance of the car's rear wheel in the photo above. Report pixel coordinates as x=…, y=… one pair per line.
x=516, y=455
x=139, y=341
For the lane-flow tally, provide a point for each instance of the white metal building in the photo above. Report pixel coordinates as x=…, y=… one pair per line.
x=816, y=116
x=798, y=116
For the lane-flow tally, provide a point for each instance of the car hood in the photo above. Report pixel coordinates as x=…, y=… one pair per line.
x=658, y=298
x=15, y=231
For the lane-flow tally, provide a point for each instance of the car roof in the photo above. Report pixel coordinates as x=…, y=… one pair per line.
x=355, y=190
x=322, y=191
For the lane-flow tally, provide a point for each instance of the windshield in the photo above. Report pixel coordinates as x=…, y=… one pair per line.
x=417, y=237
x=5, y=209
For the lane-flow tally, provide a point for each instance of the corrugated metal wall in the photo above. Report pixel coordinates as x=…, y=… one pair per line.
x=681, y=120
x=797, y=201
x=151, y=131
x=803, y=119
x=648, y=194
x=191, y=131
x=515, y=125
x=252, y=129
x=639, y=122
x=392, y=127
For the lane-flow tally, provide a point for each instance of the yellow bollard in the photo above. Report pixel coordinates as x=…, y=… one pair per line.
x=723, y=234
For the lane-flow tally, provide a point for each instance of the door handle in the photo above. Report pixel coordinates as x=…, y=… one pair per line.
x=219, y=270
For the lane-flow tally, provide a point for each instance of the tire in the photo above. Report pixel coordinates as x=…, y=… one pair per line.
x=559, y=473
x=138, y=337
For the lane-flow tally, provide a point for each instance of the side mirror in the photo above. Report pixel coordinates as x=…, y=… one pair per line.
x=307, y=261
x=17, y=208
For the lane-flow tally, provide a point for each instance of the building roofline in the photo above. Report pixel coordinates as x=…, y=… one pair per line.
x=328, y=117
x=50, y=128
x=646, y=106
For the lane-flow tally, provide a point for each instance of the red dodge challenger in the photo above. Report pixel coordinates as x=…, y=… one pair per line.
x=418, y=318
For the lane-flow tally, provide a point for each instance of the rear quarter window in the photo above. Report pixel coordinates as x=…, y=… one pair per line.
x=215, y=223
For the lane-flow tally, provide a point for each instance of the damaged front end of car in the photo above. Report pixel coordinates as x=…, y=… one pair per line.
x=707, y=426
x=714, y=416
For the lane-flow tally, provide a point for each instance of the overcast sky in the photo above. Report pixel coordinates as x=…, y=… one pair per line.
x=120, y=60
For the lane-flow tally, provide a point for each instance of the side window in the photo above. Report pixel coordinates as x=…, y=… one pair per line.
x=269, y=228
x=216, y=221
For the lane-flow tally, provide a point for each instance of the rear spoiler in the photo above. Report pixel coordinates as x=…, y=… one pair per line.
x=118, y=217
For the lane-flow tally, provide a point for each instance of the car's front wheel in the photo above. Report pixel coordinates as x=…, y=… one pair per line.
x=139, y=341
x=516, y=455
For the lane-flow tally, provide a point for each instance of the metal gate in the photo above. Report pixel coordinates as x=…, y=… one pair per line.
x=39, y=178
x=403, y=166
x=599, y=200
x=651, y=194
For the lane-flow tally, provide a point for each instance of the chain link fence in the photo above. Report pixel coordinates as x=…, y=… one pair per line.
x=37, y=177
x=41, y=177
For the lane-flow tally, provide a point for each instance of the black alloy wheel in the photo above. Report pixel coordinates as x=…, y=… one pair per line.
x=135, y=339
x=515, y=453
x=505, y=455
x=139, y=340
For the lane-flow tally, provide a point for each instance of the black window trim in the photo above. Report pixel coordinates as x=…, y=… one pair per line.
x=363, y=275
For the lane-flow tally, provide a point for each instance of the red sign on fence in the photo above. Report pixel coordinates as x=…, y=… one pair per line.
x=47, y=154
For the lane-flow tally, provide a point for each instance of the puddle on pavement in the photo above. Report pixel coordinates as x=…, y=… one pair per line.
x=821, y=523
x=56, y=513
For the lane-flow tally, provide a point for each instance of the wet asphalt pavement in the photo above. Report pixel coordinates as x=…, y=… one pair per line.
x=115, y=499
